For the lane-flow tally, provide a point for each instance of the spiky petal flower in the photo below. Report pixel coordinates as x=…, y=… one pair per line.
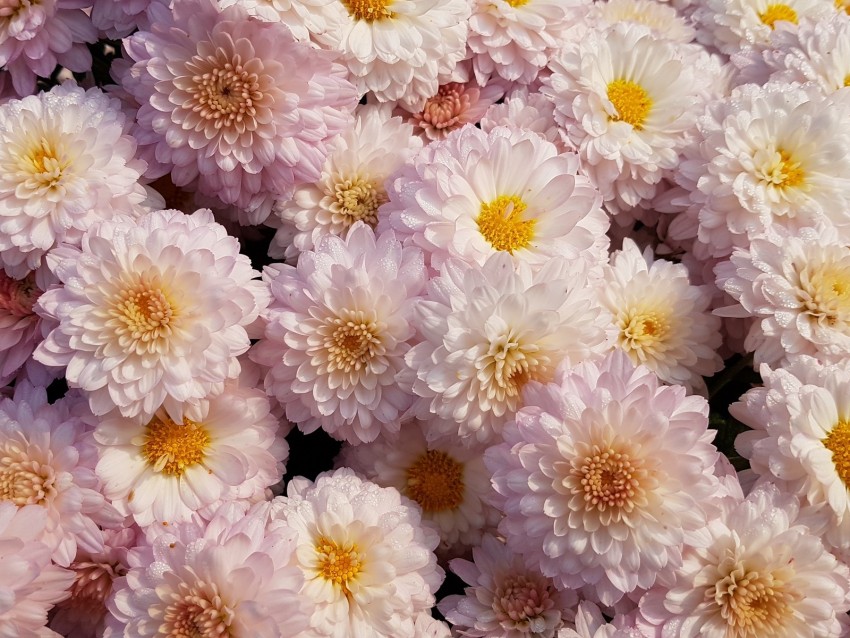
x=234, y=103
x=338, y=329
x=368, y=562
x=153, y=311
x=604, y=476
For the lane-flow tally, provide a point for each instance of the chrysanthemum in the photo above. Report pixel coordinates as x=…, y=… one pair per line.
x=117, y=19
x=767, y=156
x=351, y=187
x=504, y=598
x=798, y=290
x=36, y=35
x=449, y=482
x=65, y=163
x=303, y=17
x=225, y=449
x=516, y=38
x=664, y=20
x=530, y=111
x=487, y=331
x=760, y=574
x=235, y=576
x=426, y=626
x=368, y=562
x=30, y=584
x=234, y=103
x=47, y=459
x=604, y=476
x=661, y=320
x=153, y=310
x=590, y=623
x=339, y=326
x=628, y=121
x=20, y=327
x=475, y=194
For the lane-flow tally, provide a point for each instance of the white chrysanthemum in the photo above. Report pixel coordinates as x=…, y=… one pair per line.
x=729, y=25
x=628, y=120
x=590, y=623
x=661, y=320
x=351, y=187
x=235, y=576
x=798, y=290
x=759, y=574
x=664, y=20
x=153, y=311
x=767, y=156
x=368, y=562
x=395, y=49
x=65, y=163
x=487, y=331
x=301, y=16
x=516, y=38
x=475, y=194
x=801, y=438
x=604, y=476
x=30, y=583
x=504, y=598
x=337, y=331
x=426, y=626
x=449, y=482
x=226, y=449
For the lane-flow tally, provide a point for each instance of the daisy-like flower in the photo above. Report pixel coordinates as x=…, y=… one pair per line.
x=487, y=331
x=83, y=613
x=351, y=187
x=47, y=459
x=604, y=476
x=20, y=327
x=475, y=194
x=338, y=329
x=530, y=111
x=628, y=121
x=664, y=20
x=798, y=290
x=234, y=103
x=800, y=439
x=235, y=576
x=516, y=38
x=225, y=449
x=36, y=35
x=761, y=574
x=153, y=310
x=504, y=599
x=449, y=482
x=65, y=163
x=767, y=156
x=368, y=562
x=30, y=584
x=662, y=321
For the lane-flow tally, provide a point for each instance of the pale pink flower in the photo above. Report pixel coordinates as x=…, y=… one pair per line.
x=426, y=626
x=20, y=327
x=36, y=35
x=590, y=623
x=339, y=327
x=301, y=16
x=368, y=562
x=529, y=111
x=234, y=103
x=30, y=584
x=117, y=19
x=156, y=313
x=604, y=476
x=504, y=598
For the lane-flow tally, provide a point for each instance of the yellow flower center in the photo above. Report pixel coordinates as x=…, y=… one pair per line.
x=43, y=164
x=631, y=101
x=776, y=12
x=838, y=442
x=352, y=341
x=171, y=447
x=792, y=174
x=357, y=199
x=847, y=77
x=143, y=315
x=517, y=3
x=435, y=481
x=338, y=563
x=642, y=329
x=197, y=611
x=824, y=293
x=369, y=10
x=608, y=479
x=500, y=222
x=753, y=603
x=24, y=481
x=843, y=5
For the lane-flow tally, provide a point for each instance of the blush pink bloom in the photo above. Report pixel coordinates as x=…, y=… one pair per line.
x=20, y=327
x=117, y=19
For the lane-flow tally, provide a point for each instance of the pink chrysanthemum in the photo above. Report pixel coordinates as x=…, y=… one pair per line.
x=590, y=623
x=66, y=162
x=234, y=103
x=20, y=327
x=36, y=35
x=604, y=476
x=368, y=562
x=235, y=576
x=338, y=329
x=504, y=598
x=153, y=310
x=117, y=19
x=529, y=111
x=47, y=459
x=30, y=584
